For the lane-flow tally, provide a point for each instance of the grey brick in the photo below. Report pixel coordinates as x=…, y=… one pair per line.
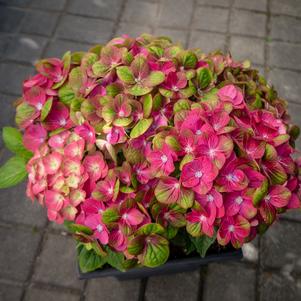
x=285, y=55
x=296, y=213
x=131, y=29
x=176, y=13
x=7, y=110
x=286, y=28
x=96, y=8
x=281, y=246
x=12, y=76
x=39, y=22
x=224, y=3
x=10, y=19
x=57, y=262
x=48, y=4
x=233, y=282
x=279, y=287
x=58, y=47
x=4, y=42
x=288, y=7
x=260, y=5
x=176, y=287
x=140, y=12
x=14, y=207
x=20, y=3
x=38, y=294
x=112, y=289
x=18, y=248
x=248, y=22
x=174, y=34
x=25, y=48
x=212, y=19
x=287, y=83
x=207, y=41
x=10, y=292
x=85, y=29
x=243, y=48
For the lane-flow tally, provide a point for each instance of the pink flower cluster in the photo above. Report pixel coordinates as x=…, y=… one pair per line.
x=141, y=131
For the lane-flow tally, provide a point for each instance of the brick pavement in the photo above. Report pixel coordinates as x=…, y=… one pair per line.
x=37, y=259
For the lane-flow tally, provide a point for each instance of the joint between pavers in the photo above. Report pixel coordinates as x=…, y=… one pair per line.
x=118, y=19
x=190, y=28
x=142, y=289
x=228, y=34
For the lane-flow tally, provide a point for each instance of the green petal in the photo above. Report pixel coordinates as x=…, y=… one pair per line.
x=141, y=127
x=76, y=79
x=204, y=77
x=136, y=245
x=125, y=74
x=46, y=108
x=151, y=228
x=110, y=215
x=139, y=90
x=155, y=78
x=194, y=229
x=24, y=113
x=147, y=101
x=99, y=69
x=186, y=198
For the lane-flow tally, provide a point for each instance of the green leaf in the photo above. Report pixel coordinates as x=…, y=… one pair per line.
x=151, y=228
x=88, y=259
x=115, y=259
x=13, y=141
x=204, y=77
x=46, y=108
x=155, y=78
x=125, y=74
x=110, y=215
x=171, y=232
x=139, y=90
x=156, y=251
x=12, y=172
x=66, y=94
x=147, y=105
x=141, y=127
x=203, y=243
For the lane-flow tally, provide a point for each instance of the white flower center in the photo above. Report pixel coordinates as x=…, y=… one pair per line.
x=110, y=190
x=188, y=149
x=210, y=198
x=198, y=174
x=175, y=88
x=198, y=132
x=121, y=113
x=39, y=106
x=164, y=158
x=99, y=228
x=239, y=200
x=203, y=218
x=267, y=198
x=125, y=216
x=231, y=177
x=231, y=228
x=63, y=122
x=177, y=185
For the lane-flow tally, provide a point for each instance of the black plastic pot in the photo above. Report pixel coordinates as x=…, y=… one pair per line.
x=170, y=267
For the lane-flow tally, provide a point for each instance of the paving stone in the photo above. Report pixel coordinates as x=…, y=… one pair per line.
x=37, y=294
x=288, y=7
x=131, y=29
x=176, y=13
x=243, y=48
x=285, y=55
x=48, y=4
x=25, y=48
x=247, y=22
x=207, y=41
x=10, y=292
x=58, y=47
x=96, y=8
x=20, y=3
x=279, y=287
x=287, y=83
x=233, y=282
x=224, y=3
x=176, y=287
x=5, y=39
x=281, y=246
x=57, y=262
x=112, y=289
x=12, y=76
x=212, y=19
x=18, y=248
x=85, y=29
x=39, y=22
x=286, y=28
x=174, y=34
x=15, y=207
x=260, y=5
x=10, y=19
x=7, y=110
x=296, y=213
x=140, y=12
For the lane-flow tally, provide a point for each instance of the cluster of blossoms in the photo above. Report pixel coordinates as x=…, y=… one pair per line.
x=139, y=141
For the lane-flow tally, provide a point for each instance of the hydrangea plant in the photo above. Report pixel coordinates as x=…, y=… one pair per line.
x=147, y=150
